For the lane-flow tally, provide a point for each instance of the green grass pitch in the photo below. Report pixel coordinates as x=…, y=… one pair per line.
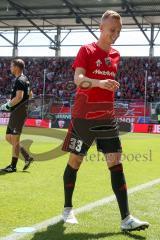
x=33, y=196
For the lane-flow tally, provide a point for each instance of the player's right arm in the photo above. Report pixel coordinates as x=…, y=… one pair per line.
x=30, y=94
x=84, y=82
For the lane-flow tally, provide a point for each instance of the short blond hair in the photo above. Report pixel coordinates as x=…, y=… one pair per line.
x=111, y=13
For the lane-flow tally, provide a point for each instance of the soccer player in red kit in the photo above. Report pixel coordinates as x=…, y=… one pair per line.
x=93, y=118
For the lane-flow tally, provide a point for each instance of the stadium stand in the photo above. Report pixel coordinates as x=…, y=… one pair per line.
x=59, y=73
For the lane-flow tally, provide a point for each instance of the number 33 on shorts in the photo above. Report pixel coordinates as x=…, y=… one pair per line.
x=75, y=144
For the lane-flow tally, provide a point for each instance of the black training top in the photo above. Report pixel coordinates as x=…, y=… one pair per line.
x=21, y=83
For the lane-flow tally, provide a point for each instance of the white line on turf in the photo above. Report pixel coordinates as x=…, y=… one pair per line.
x=85, y=208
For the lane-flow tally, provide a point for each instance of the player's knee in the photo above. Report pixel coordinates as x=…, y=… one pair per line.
x=113, y=159
x=8, y=138
x=75, y=160
x=15, y=143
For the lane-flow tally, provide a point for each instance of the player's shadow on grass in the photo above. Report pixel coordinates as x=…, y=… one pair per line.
x=57, y=232
x=4, y=173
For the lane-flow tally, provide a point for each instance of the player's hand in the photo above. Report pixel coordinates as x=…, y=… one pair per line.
x=5, y=107
x=109, y=84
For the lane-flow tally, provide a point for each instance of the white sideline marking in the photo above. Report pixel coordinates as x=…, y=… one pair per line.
x=86, y=208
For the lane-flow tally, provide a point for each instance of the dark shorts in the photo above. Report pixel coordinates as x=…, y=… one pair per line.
x=16, y=122
x=82, y=133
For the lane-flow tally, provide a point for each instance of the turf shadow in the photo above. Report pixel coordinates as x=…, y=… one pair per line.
x=57, y=232
x=4, y=173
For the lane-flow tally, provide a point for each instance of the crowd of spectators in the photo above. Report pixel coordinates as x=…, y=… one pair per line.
x=58, y=73
x=137, y=73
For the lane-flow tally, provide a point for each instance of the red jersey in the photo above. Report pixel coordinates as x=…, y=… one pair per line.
x=95, y=102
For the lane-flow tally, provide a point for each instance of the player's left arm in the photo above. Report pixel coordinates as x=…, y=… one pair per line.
x=11, y=103
x=30, y=94
x=17, y=98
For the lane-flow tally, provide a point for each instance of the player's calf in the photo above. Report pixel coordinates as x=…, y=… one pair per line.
x=27, y=158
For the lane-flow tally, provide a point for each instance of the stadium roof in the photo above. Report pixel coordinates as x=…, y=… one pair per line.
x=70, y=14
x=58, y=15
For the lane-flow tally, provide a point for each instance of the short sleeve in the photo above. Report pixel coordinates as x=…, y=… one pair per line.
x=20, y=85
x=117, y=59
x=81, y=59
